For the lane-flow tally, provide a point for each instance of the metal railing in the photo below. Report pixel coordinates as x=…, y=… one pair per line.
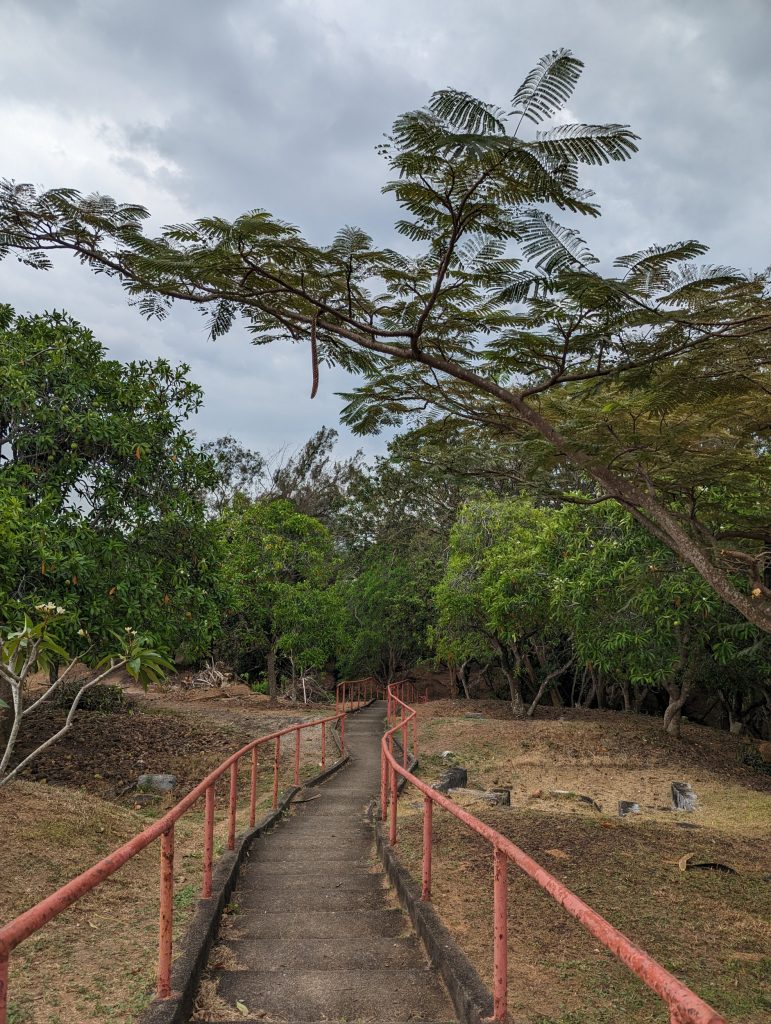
x=32, y=920
x=684, y=1006
x=354, y=693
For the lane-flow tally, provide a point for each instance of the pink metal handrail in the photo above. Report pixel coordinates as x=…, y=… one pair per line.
x=32, y=920
x=355, y=693
x=684, y=1006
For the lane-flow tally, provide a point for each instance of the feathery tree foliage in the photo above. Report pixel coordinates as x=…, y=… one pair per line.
x=652, y=383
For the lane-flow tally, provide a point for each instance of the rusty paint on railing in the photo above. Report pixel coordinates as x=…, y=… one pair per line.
x=32, y=920
x=684, y=1006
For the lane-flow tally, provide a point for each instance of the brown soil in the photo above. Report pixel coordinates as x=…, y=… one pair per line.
x=96, y=961
x=710, y=928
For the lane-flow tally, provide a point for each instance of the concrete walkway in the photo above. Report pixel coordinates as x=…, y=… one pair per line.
x=318, y=937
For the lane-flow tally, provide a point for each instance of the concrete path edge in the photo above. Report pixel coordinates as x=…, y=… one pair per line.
x=199, y=936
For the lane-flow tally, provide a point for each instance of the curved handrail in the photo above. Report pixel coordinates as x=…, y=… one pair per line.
x=32, y=920
x=684, y=1006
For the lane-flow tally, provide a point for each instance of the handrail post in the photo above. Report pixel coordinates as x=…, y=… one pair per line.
x=4, y=958
x=323, y=745
x=342, y=735
x=500, y=936
x=208, y=842
x=276, y=760
x=166, y=923
x=415, y=736
x=232, y=802
x=253, y=790
x=383, y=786
x=394, y=800
x=297, y=756
x=428, y=808
x=405, y=727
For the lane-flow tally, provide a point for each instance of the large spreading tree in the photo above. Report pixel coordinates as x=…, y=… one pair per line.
x=652, y=382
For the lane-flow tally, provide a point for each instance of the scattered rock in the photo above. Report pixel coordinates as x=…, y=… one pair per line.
x=474, y=714
x=454, y=778
x=157, y=783
x=566, y=794
x=683, y=797
x=446, y=753
x=143, y=799
x=498, y=797
x=627, y=807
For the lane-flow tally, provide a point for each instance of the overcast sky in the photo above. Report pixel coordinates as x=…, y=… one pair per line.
x=196, y=107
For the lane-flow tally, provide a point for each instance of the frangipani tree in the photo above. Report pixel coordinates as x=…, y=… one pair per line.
x=32, y=648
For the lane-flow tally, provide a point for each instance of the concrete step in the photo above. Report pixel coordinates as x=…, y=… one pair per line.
x=255, y=879
x=342, y=951
x=341, y=994
x=270, y=900
x=320, y=924
x=329, y=869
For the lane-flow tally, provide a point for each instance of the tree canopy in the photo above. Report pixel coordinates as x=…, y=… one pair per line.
x=651, y=382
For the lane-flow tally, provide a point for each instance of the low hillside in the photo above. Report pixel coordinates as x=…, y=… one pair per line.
x=97, y=961
x=711, y=927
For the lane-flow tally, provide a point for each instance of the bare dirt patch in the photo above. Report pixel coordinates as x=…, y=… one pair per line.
x=710, y=928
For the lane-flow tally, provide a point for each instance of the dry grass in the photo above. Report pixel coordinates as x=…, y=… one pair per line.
x=96, y=962
x=711, y=929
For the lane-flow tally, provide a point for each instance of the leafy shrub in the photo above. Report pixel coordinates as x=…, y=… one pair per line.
x=260, y=686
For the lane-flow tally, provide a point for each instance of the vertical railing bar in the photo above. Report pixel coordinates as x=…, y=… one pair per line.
x=166, y=922
x=208, y=841
x=276, y=761
x=428, y=807
x=342, y=735
x=323, y=745
x=253, y=790
x=297, y=757
x=500, y=936
x=232, y=802
x=405, y=727
x=4, y=969
x=394, y=800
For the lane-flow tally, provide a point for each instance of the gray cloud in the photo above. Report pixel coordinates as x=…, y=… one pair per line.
x=195, y=108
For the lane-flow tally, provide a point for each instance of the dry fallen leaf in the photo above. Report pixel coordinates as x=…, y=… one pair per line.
x=684, y=861
x=559, y=854
x=242, y=1008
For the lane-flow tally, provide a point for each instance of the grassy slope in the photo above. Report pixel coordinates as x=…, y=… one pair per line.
x=711, y=929
x=96, y=962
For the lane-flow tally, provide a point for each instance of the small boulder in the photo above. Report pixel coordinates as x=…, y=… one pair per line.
x=454, y=778
x=157, y=783
x=683, y=797
x=498, y=797
x=474, y=714
x=446, y=754
x=627, y=807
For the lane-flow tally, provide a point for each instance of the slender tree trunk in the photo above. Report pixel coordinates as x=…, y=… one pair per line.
x=272, y=678
x=511, y=673
x=626, y=693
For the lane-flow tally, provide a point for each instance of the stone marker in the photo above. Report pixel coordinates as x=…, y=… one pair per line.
x=474, y=714
x=498, y=797
x=627, y=807
x=453, y=778
x=683, y=797
x=159, y=783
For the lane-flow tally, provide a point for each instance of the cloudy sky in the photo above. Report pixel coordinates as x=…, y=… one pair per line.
x=196, y=107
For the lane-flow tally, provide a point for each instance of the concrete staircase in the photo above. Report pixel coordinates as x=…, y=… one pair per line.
x=317, y=936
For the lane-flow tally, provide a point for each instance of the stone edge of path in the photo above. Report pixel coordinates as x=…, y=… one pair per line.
x=472, y=1000
x=201, y=932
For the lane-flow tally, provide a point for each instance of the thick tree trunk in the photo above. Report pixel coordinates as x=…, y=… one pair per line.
x=678, y=695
